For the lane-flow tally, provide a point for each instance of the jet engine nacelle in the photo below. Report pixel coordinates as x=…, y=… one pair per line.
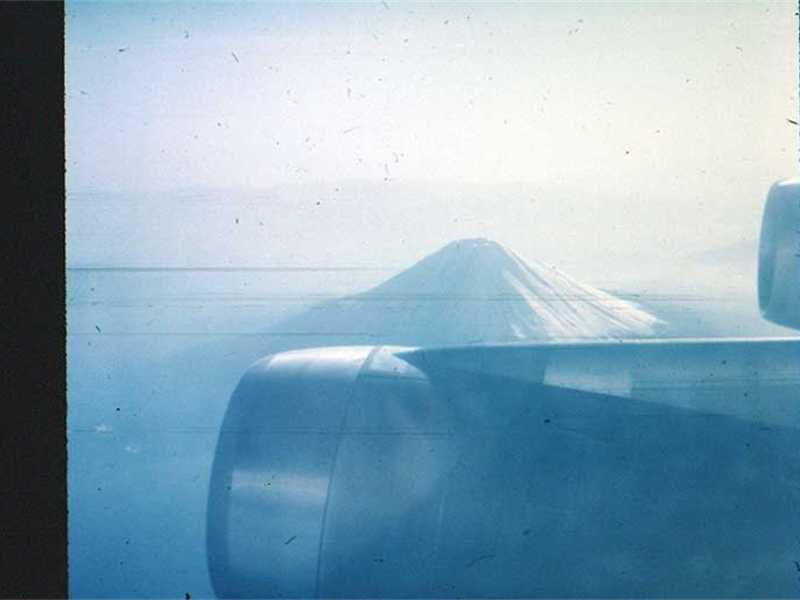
x=323, y=456
x=779, y=255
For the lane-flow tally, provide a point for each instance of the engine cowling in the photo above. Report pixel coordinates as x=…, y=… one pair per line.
x=779, y=255
x=297, y=454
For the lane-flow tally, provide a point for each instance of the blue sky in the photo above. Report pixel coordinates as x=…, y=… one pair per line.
x=628, y=122
x=171, y=94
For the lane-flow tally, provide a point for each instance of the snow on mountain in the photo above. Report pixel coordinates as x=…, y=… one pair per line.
x=474, y=291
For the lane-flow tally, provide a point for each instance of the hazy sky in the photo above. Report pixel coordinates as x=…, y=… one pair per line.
x=657, y=116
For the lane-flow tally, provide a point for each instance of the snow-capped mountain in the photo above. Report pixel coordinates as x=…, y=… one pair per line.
x=475, y=291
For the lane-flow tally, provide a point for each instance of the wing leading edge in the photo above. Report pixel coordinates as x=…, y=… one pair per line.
x=755, y=379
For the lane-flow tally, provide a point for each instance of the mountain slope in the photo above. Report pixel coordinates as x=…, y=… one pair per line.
x=474, y=291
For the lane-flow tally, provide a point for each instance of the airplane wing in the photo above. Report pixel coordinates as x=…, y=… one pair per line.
x=743, y=377
x=649, y=468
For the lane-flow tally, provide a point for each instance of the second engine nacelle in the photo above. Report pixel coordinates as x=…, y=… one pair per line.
x=779, y=255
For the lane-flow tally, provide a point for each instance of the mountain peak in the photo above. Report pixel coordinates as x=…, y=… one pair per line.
x=469, y=243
